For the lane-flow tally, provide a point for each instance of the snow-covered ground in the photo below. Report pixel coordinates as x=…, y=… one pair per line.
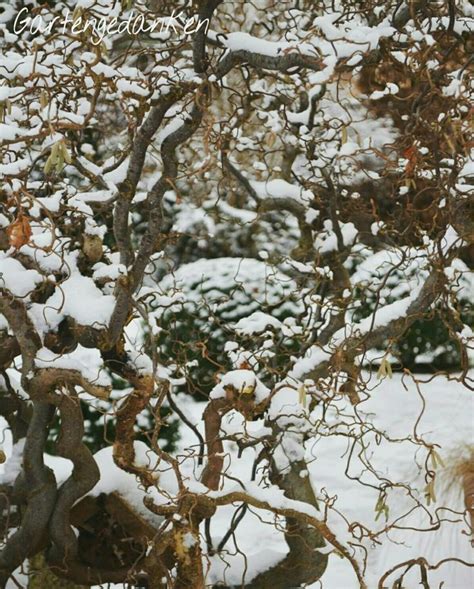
x=443, y=416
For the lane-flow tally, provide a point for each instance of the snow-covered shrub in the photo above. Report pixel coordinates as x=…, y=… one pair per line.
x=214, y=297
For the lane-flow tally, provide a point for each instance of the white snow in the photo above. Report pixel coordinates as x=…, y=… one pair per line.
x=243, y=41
x=87, y=361
x=327, y=242
x=244, y=382
x=279, y=188
x=77, y=297
x=313, y=358
x=256, y=323
x=15, y=278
